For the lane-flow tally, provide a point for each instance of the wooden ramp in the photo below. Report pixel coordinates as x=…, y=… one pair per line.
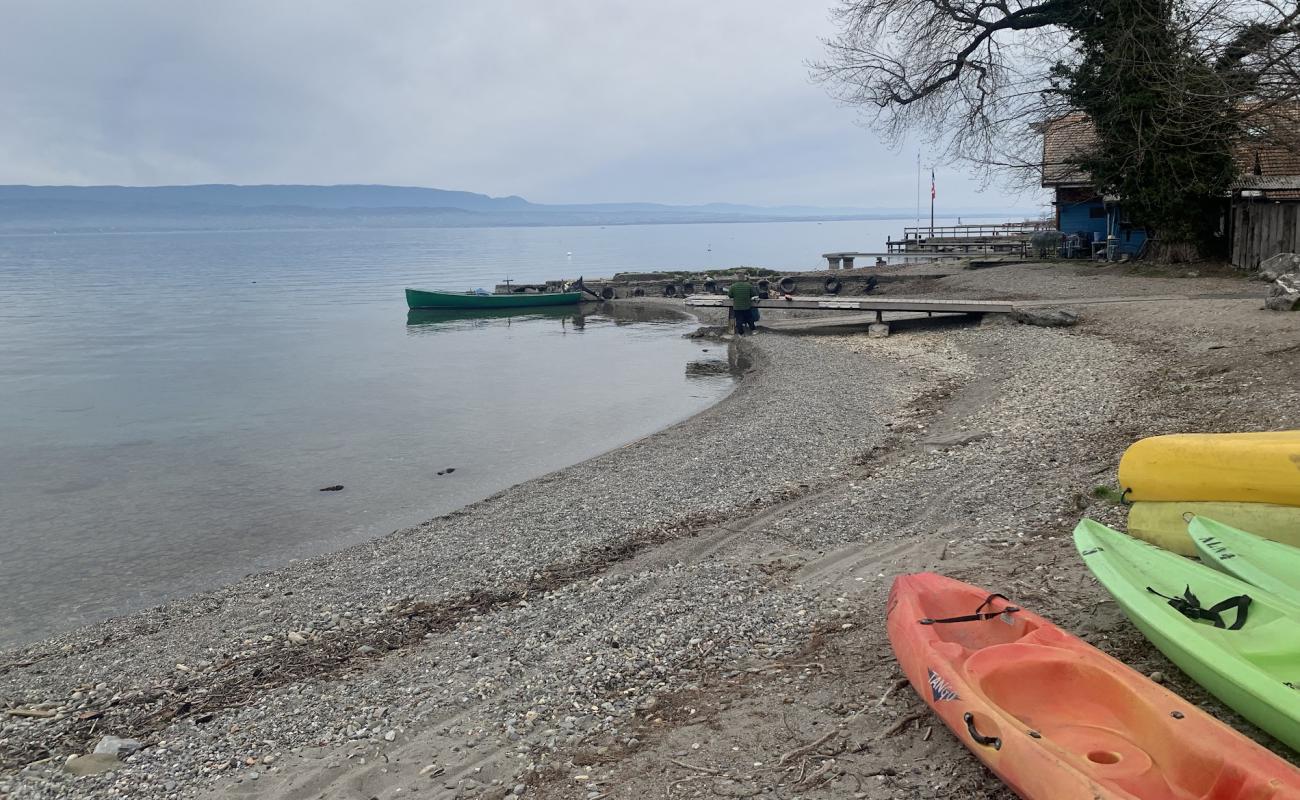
x=877, y=304
x=871, y=310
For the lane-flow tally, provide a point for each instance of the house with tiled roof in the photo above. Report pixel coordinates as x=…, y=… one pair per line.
x=1268, y=167
x=1093, y=223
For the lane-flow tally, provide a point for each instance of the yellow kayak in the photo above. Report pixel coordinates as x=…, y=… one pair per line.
x=1223, y=467
x=1165, y=524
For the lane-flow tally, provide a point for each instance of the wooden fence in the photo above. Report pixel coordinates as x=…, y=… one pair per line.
x=1263, y=228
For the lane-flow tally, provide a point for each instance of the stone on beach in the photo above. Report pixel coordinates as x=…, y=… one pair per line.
x=1046, y=317
x=1284, y=294
x=92, y=764
x=115, y=746
x=1276, y=266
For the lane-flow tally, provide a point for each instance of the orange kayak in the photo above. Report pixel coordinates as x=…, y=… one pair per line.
x=1057, y=719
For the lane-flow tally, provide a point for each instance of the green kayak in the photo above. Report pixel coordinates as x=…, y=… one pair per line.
x=1251, y=669
x=416, y=298
x=1269, y=565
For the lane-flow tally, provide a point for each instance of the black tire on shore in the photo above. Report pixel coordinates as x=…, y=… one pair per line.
x=764, y=285
x=788, y=285
x=688, y=288
x=638, y=292
x=711, y=287
x=832, y=286
x=670, y=290
x=608, y=293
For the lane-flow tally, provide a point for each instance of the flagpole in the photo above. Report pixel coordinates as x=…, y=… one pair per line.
x=918, y=188
x=931, y=202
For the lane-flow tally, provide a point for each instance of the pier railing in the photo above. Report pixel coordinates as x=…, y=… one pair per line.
x=994, y=230
x=1002, y=237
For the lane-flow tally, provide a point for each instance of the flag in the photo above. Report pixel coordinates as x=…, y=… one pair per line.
x=931, y=184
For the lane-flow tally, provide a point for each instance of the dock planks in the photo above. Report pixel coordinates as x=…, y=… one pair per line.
x=835, y=303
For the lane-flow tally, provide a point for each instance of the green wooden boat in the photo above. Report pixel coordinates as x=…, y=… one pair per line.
x=1254, y=669
x=416, y=298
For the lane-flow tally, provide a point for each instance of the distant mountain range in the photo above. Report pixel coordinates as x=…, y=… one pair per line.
x=209, y=206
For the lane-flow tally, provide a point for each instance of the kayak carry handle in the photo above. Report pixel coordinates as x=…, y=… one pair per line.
x=987, y=741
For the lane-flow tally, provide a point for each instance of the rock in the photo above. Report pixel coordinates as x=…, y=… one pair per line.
x=706, y=332
x=877, y=330
x=116, y=747
x=1046, y=317
x=338, y=487
x=1276, y=266
x=92, y=764
x=296, y=638
x=1284, y=294
x=519, y=789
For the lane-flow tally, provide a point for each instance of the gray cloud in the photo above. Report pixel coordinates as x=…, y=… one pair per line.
x=559, y=101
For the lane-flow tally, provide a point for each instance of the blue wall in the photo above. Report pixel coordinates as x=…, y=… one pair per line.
x=1077, y=217
x=1094, y=216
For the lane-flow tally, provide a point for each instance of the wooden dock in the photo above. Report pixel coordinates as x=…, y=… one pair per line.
x=876, y=304
x=871, y=310
x=1009, y=238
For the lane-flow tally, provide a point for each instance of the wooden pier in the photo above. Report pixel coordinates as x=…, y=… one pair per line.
x=878, y=305
x=845, y=260
x=1009, y=238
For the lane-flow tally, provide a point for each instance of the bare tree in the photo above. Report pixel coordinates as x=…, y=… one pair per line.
x=974, y=78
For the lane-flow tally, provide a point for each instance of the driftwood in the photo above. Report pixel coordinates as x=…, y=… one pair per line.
x=902, y=723
x=805, y=749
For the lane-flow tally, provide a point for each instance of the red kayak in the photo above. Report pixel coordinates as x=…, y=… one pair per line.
x=1057, y=719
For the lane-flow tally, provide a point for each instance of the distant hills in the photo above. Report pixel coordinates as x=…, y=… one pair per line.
x=221, y=206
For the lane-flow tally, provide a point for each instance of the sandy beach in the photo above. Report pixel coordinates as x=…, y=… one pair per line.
x=699, y=613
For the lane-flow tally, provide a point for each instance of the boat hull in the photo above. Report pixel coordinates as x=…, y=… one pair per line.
x=1272, y=566
x=416, y=298
x=1251, y=670
x=1057, y=719
x=1165, y=524
x=1223, y=467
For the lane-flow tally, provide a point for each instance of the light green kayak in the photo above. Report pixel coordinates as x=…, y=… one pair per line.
x=1269, y=565
x=1251, y=669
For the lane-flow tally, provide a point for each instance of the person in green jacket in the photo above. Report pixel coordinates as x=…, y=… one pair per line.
x=742, y=303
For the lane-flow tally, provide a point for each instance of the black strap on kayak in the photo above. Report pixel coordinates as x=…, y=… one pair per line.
x=1189, y=606
x=979, y=614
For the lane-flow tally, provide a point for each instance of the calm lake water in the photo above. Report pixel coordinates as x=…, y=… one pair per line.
x=172, y=403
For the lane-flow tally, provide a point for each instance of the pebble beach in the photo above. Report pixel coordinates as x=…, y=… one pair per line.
x=708, y=596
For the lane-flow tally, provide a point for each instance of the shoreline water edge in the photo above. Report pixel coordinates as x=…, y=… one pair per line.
x=709, y=596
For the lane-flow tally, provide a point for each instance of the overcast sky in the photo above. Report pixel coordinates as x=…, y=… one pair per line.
x=675, y=101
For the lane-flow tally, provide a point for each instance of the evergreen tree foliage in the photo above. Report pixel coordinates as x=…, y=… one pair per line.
x=1164, y=125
